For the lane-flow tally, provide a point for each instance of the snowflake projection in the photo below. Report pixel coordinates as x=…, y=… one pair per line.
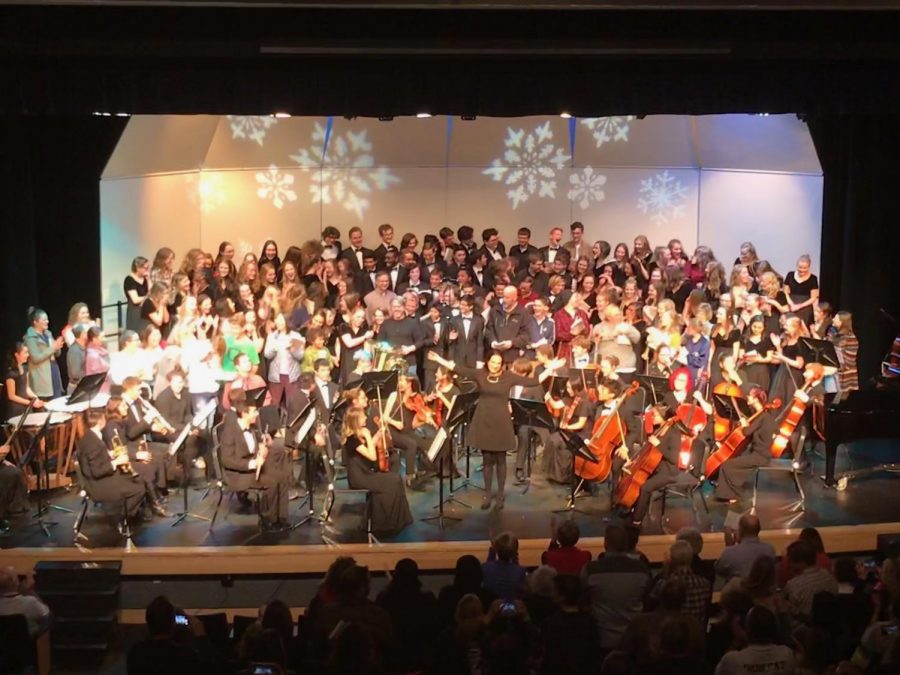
x=352, y=175
x=250, y=127
x=206, y=190
x=529, y=164
x=587, y=187
x=662, y=197
x=275, y=186
x=607, y=129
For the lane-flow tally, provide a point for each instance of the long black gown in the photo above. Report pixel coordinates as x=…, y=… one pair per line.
x=390, y=510
x=491, y=429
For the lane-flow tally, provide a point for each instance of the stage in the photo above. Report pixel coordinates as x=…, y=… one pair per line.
x=849, y=521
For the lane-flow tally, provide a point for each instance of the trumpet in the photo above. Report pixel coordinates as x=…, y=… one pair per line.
x=119, y=449
x=152, y=414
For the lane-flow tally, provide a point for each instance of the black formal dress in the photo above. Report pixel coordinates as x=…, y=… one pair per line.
x=491, y=429
x=104, y=483
x=133, y=319
x=736, y=472
x=557, y=458
x=801, y=292
x=21, y=386
x=390, y=510
x=238, y=451
x=759, y=374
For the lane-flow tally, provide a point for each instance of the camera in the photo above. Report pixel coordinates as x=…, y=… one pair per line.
x=181, y=619
x=507, y=608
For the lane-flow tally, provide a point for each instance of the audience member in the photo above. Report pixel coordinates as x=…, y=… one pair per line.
x=705, y=568
x=17, y=600
x=879, y=642
x=460, y=649
x=540, y=593
x=762, y=654
x=503, y=575
x=677, y=654
x=813, y=538
x=327, y=593
x=808, y=579
x=466, y=580
x=740, y=552
x=616, y=585
x=698, y=591
x=512, y=640
x=165, y=650
x=570, y=634
x=727, y=631
x=414, y=615
x=563, y=555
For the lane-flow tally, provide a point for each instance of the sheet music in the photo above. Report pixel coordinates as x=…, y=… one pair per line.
x=305, y=427
x=437, y=444
x=198, y=421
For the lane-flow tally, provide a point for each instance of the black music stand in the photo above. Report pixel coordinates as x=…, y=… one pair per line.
x=657, y=387
x=535, y=415
x=256, y=397
x=311, y=516
x=43, y=472
x=460, y=428
x=86, y=389
x=186, y=474
x=457, y=415
x=586, y=375
x=575, y=445
x=819, y=351
x=731, y=407
x=556, y=386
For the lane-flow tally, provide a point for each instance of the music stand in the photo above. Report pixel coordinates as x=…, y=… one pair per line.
x=556, y=386
x=384, y=381
x=457, y=415
x=533, y=414
x=43, y=471
x=658, y=387
x=819, y=351
x=465, y=417
x=256, y=397
x=309, y=414
x=575, y=445
x=199, y=419
x=731, y=407
x=586, y=375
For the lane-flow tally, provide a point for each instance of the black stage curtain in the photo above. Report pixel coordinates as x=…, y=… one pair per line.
x=50, y=191
x=860, y=231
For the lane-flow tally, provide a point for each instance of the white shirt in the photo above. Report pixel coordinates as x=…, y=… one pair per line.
x=323, y=389
x=36, y=612
x=753, y=659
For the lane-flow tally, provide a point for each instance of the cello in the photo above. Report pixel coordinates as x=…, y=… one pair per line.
x=795, y=412
x=734, y=443
x=722, y=425
x=608, y=434
x=642, y=467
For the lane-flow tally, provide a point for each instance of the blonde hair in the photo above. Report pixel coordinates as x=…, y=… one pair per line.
x=769, y=284
x=354, y=422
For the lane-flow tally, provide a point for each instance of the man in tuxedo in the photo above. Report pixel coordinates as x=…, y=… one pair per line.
x=243, y=451
x=431, y=261
x=395, y=270
x=465, y=336
x=492, y=245
x=386, y=232
x=355, y=253
x=104, y=480
x=326, y=394
x=523, y=250
x=175, y=405
x=331, y=243
x=459, y=260
x=365, y=280
x=139, y=423
x=506, y=328
x=448, y=243
x=435, y=327
x=560, y=266
x=548, y=253
x=466, y=236
x=535, y=269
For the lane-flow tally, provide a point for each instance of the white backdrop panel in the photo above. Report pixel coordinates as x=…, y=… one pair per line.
x=659, y=140
x=780, y=213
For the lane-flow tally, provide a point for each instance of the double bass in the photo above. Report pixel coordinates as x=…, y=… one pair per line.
x=734, y=443
x=642, y=467
x=607, y=435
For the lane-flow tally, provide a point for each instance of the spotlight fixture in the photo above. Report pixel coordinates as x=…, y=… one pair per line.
x=385, y=119
x=423, y=116
x=123, y=114
x=467, y=118
x=281, y=115
x=565, y=115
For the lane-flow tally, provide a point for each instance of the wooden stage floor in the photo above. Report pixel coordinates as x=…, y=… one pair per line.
x=849, y=522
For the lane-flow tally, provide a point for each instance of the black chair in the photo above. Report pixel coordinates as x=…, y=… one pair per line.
x=17, y=649
x=216, y=628
x=239, y=624
x=86, y=501
x=221, y=480
x=686, y=487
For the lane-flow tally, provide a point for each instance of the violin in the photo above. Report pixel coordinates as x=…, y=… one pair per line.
x=607, y=435
x=642, y=467
x=734, y=443
x=383, y=440
x=423, y=413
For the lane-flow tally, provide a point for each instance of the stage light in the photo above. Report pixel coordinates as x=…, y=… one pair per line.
x=123, y=114
x=423, y=116
x=101, y=114
x=565, y=115
x=467, y=118
x=281, y=115
x=385, y=119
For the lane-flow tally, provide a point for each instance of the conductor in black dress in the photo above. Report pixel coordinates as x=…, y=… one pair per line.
x=253, y=462
x=105, y=481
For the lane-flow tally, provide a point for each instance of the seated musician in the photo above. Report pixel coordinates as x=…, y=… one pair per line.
x=102, y=471
x=525, y=368
x=411, y=433
x=681, y=384
x=142, y=423
x=609, y=365
x=149, y=466
x=580, y=356
x=13, y=488
x=608, y=390
x=362, y=364
x=574, y=412
x=663, y=362
x=759, y=430
x=253, y=461
x=175, y=406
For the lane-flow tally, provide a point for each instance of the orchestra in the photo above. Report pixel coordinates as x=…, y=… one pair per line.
x=579, y=325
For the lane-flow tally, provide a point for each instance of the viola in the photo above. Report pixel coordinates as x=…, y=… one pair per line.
x=607, y=435
x=734, y=443
x=383, y=440
x=642, y=467
x=423, y=413
x=722, y=425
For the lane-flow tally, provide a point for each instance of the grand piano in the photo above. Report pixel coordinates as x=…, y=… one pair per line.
x=866, y=413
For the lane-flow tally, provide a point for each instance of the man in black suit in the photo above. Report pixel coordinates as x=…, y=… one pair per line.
x=435, y=327
x=386, y=232
x=366, y=278
x=431, y=260
x=460, y=259
x=465, y=338
x=548, y=253
x=331, y=243
x=466, y=236
x=242, y=453
x=523, y=250
x=325, y=394
x=175, y=405
x=392, y=265
x=140, y=424
x=492, y=245
x=355, y=253
x=104, y=481
x=534, y=268
x=506, y=329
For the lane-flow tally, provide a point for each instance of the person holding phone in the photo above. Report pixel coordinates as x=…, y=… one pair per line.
x=175, y=644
